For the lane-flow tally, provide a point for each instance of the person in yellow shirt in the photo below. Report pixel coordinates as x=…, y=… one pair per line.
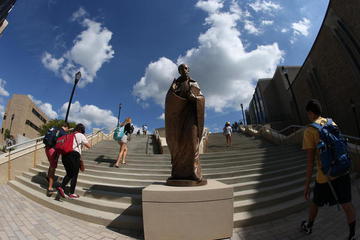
x=322, y=193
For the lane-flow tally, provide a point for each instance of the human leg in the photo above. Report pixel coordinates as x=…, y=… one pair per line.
x=124, y=153
x=52, y=157
x=75, y=168
x=119, y=155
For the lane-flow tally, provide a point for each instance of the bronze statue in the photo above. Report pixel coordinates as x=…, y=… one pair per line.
x=184, y=124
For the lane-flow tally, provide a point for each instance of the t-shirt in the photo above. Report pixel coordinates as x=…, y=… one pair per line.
x=310, y=140
x=79, y=140
x=227, y=130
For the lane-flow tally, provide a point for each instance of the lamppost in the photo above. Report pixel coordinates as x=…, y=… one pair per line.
x=119, y=114
x=12, y=119
x=353, y=107
x=77, y=78
x=292, y=93
x=242, y=110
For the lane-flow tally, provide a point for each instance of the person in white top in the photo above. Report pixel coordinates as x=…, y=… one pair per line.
x=227, y=131
x=71, y=162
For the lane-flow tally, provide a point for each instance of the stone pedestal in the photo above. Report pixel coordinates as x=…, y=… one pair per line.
x=198, y=213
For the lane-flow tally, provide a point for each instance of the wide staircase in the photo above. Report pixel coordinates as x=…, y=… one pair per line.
x=267, y=181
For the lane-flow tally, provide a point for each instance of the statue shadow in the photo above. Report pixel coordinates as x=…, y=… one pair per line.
x=102, y=159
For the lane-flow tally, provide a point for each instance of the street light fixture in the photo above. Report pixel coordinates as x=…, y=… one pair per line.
x=77, y=79
x=12, y=118
x=292, y=93
x=119, y=114
x=242, y=110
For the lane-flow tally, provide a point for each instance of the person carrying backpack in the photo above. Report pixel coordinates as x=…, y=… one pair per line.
x=50, y=140
x=227, y=132
x=327, y=149
x=128, y=130
x=71, y=160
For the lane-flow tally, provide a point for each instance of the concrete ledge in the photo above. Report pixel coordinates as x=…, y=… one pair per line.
x=199, y=213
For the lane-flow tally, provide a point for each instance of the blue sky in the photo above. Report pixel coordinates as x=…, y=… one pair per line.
x=128, y=51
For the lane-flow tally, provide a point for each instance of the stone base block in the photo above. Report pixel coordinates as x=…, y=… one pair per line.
x=198, y=213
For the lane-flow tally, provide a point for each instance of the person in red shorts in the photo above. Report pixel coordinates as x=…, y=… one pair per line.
x=53, y=157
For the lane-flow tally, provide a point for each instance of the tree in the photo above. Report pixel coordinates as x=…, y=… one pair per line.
x=6, y=133
x=54, y=123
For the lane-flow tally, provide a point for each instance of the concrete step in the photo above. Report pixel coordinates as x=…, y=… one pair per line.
x=113, y=153
x=204, y=159
x=132, y=208
x=114, y=220
x=95, y=191
x=159, y=175
x=256, y=216
x=214, y=164
x=130, y=168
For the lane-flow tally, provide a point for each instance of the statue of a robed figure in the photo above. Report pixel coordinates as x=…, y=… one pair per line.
x=184, y=124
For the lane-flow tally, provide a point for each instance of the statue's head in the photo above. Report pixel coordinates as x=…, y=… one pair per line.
x=183, y=70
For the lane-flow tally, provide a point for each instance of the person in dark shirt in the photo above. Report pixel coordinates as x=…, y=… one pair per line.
x=53, y=157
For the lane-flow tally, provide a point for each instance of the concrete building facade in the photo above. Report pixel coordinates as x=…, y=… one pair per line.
x=330, y=73
x=22, y=117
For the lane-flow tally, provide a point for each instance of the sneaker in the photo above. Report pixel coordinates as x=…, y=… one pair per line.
x=304, y=228
x=73, y=196
x=49, y=192
x=61, y=192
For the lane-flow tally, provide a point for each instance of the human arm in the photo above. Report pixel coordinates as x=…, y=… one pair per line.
x=309, y=144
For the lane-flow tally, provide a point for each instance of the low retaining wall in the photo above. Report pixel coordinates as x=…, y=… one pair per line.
x=14, y=163
x=295, y=138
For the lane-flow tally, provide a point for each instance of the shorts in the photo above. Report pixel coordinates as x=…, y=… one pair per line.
x=124, y=139
x=324, y=196
x=52, y=156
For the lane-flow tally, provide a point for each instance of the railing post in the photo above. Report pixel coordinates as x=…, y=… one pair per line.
x=34, y=161
x=9, y=165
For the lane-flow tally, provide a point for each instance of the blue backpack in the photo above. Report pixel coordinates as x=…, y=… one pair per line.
x=118, y=133
x=51, y=136
x=334, y=157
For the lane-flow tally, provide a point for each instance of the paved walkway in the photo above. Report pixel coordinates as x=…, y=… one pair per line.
x=21, y=218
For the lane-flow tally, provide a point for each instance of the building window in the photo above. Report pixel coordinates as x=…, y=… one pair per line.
x=36, y=113
x=32, y=125
x=4, y=116
x=24, y=134
x=2, y=130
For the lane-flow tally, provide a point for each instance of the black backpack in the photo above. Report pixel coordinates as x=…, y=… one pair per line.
x=51, y=137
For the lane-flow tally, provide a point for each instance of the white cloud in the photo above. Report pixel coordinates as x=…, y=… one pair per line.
x=162, y=116
x=90, y=51
x=265, y=6
x=52, y=63
x=267, y=22
x=2, y=110
x=79, y=14
x=223, y=68
x=45, y=107
x=301, y=27
x=210, y=6
x=250, y=27
x=3, y=92
x=89, y=115
x=284, y=30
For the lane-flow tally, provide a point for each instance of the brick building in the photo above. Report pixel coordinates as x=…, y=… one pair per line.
x=23, y=117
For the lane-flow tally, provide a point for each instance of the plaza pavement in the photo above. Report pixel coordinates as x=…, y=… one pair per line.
x=22, y=218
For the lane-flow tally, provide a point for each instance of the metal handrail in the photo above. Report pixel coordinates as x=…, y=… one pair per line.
x=40, y=138
x=300, y=127
x=28, y=141
x=288, y=127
